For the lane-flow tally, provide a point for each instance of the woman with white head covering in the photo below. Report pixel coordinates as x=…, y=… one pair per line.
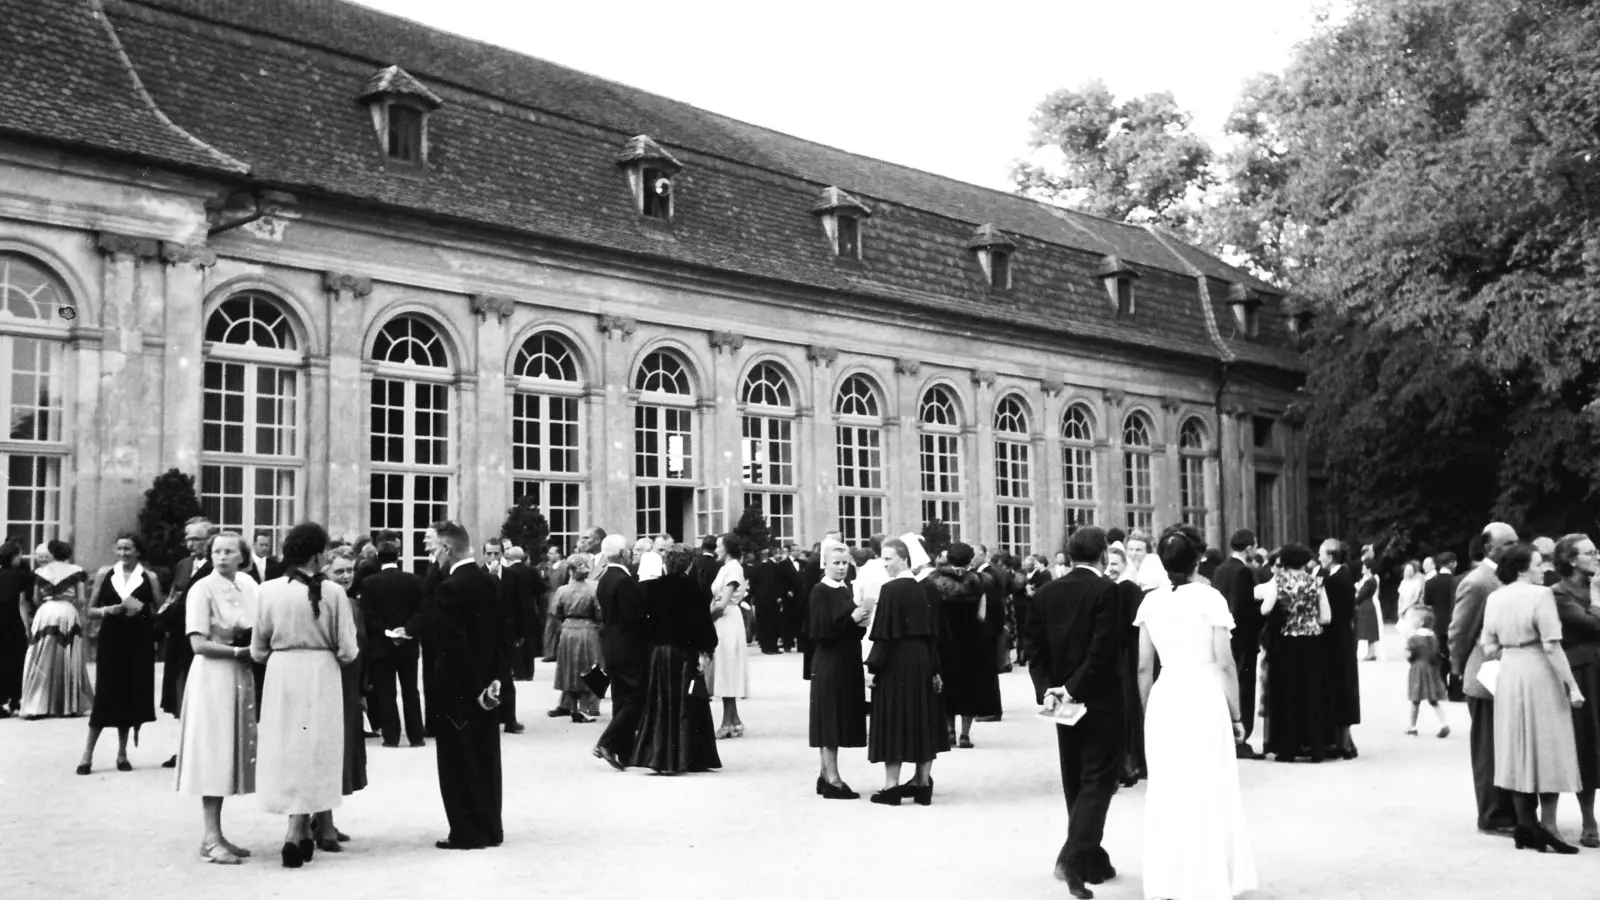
x=907, y=722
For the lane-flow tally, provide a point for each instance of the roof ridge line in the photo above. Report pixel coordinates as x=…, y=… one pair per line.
x=1206, y=310
x=226, y=161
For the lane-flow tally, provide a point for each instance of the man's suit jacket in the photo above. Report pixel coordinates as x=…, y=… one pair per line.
x=465, y=621
x=1439, y=593
x=787, y=578
x=994, y=599
x=624, y=631
x=1237, y=584
x=1466, y=626
x=272, y=567
x=391, y=598
x=1076, y=635
x=522, y=589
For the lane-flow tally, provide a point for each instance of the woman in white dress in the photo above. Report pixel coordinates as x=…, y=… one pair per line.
x=730, y=673
x=1196, y=844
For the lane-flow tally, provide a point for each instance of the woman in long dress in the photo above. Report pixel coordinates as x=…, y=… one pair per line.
x=838, y=685
x=1196, y=842
x=675, y=733
x=353, y=677
x=1535, y=749
x=575, y=616
x=1369, y=622
x=304, y=633
x=55, y=675
x=125, y=599
x=1298, y=700
x=730, y=673
x=217, y=747
x=907, y=721
x=1577, y=562
x=966, y=662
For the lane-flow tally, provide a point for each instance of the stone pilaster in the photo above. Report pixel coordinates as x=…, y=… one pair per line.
x=721, y=427
x=128, y=424
x=1112, y=477
x=1051, y=528
x=984, y=517
x=613, y=431
x=819, y=497
x=486, y=479
x=335, y=489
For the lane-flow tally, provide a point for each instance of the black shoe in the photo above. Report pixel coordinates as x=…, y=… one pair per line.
x=1074, y=879
x=582, y=718
x=124, y=766
x=515, y=728
x=329, y=846
x=83, y=769
x=609, y=757
x=822, y=786
x=1553, y=841
x=558, y=713
x=394, y=743
x=840, y=791
x=452, y=845
x=307, y=848
x=888, y=796
x=1244, y=751
x=965, y=742
x=291, y=856
x=171, y=763
x=922, y=794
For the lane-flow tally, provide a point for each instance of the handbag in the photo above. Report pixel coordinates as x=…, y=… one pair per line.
x=698, y=689
x=597, y=681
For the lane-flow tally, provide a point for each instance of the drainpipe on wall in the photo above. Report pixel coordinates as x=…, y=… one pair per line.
x=1222, y=478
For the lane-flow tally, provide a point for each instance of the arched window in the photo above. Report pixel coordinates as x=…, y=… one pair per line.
x=1192, y=473
x=1013, y=477
x=547, y=458
x=663, y=445
x=858, y=440
x=251, y=453
x=1077, y=467
x=767, y=450
x=940, y=458
x=1138, y=493
x=412, y=481
x=34, y=310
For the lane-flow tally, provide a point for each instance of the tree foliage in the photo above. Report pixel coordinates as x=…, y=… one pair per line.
x=936, y=537
x=526, y=527
x=1133, y=160
x=170, y=502
x=752, y=532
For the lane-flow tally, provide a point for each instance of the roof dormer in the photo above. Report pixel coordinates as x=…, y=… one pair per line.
x=1118, y=278
x=993, y=249
x=400, y=107
x=650, y=170
x=1246, y=304
x=842, y=216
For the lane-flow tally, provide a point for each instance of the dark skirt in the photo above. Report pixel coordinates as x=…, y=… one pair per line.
x=1586, y=724
x=838, y=695
x=175, y=670
x=675, y=730
x=967, y=666
x=1133, y=761
x=1344, y=674
x=125, y=674
x=355, y=738
x=907, y=713
x=13, y=650
x=1299, y=697
x=1368, y=628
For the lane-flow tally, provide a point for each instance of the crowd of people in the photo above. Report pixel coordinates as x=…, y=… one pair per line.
x=280, y=667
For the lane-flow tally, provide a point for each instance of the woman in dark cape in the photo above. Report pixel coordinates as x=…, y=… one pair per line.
x=966, y=658
x=838, y=683
x=907, y=712
x=676, y=733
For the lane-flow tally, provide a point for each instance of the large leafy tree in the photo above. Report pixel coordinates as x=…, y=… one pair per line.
x=1426, y=174
x=1134, y=160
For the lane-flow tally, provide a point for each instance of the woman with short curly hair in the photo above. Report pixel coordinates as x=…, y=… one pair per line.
x=124, y=598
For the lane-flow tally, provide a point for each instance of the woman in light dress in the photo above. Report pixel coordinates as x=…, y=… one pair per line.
x=1196, y=842
x=328, y=837
x=730, y=673
x=304, y=633
x=1411, y=582
x=55, y=673
x=575, y=617
x=217, y=749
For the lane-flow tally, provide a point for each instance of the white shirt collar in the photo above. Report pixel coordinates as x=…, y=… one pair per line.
x=1076, y=566
x=907, y=573
x=388, y=566
x=831, y=583
x=469, y=561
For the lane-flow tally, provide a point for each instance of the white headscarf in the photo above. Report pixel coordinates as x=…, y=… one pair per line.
x=919, y=555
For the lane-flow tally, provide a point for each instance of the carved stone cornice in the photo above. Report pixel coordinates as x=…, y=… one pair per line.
x=984, y=377
x=726, y=342
x=1170, y=405
x=907, y=367
x=1114, y=397
x=343, y=283
x=198, y=255
x=619, y=327
x=1052, y=387
x=113, y=244
x=705, y=405
x=823, y=356
x=484, y=305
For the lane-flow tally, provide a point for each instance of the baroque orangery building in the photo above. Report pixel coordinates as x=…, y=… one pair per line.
x=344, y=267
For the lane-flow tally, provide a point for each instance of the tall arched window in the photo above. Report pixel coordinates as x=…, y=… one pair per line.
x=1192, y=473
x=1077, y=467
x=411, y=480
x=767, y=451
x=251, y=450
x=858, y=438
x=547, y=450
x=1137, y=492
x=940, y=458
x=33, y=391
x=663, y=445
x=1013, y=477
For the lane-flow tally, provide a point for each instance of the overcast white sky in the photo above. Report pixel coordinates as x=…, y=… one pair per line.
x=941, y=86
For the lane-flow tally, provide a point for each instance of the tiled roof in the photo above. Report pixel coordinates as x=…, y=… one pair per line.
x=64, y=79
x=528, y=145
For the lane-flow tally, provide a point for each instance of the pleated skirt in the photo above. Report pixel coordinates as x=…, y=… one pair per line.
x=675, y=730
x=838, y=695
x=301, y=760
x=55, y=671
x=1535, y=750
x=577, y=651
x=907, y=723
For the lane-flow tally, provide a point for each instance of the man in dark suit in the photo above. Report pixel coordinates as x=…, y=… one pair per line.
x=1439, y=592
x=1076, y=637
x=765, y=595
x=391, y=600
x=493, y=564
x=178, y=655
x=1495, y=815
x=525, y=588
x=624, y=645
x=271, y=566
x=1236, y=581
x=465, y=620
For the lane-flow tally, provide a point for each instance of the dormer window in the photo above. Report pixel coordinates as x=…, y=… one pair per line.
x=1301, y=321
x=841, y=216
x=400, y=107
x=1118, y=278
x=650, y=170
x=993, y=250
x=1246, y=304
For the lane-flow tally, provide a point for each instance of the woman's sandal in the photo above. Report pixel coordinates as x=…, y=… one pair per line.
x=217, y=853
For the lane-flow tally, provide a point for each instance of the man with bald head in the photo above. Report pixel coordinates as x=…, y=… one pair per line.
x=1495, y=815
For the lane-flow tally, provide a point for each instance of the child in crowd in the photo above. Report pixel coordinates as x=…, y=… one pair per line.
x=1424, y=683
